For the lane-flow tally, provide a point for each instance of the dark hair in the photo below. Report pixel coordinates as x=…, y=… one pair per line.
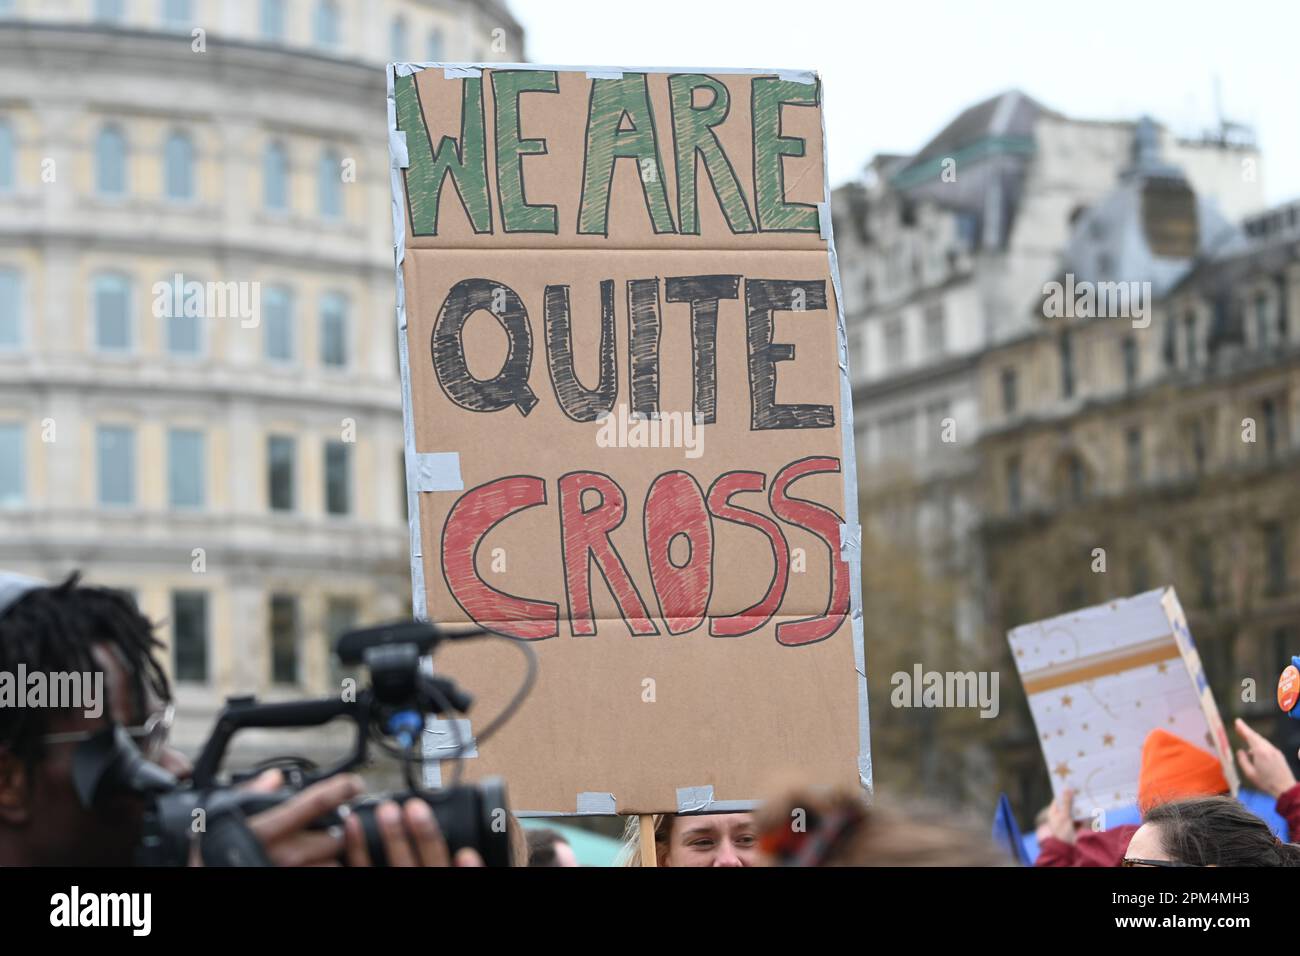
x=55, y=628
x=1219, y=831
x=541, y=847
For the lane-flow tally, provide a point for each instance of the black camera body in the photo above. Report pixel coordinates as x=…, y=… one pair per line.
x=394, y=707
x=468, y=816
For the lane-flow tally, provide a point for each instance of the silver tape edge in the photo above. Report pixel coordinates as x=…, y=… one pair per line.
x=441, y=727
x=700, y=800
x=849, y=468
x=593, y=802
x=419, y=604
x=438, y=471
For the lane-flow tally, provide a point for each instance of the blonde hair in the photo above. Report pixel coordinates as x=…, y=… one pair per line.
x=630, y=855
x=518, y=841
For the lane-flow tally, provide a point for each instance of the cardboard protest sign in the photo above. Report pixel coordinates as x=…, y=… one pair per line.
x=629, y=427
x=1100, y=679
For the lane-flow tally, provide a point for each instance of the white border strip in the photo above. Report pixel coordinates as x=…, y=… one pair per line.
x=849, y=468
x=476, y=69
x=398, y=160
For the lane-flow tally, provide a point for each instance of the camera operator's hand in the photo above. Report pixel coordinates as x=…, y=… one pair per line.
x=1263, y=764
x=284, y=830
x=410, y=835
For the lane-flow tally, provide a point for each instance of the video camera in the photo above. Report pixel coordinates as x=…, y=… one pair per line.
x=391, y=713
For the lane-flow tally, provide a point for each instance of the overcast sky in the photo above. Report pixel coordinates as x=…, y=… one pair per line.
x=894, y=73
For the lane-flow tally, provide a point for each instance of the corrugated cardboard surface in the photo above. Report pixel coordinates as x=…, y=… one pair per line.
x=727, y=712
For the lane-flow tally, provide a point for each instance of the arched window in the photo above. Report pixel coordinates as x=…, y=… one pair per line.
x=1263, y=325
x=112, y=312
x=178, y=167
x=177, y=15
x=273, y=20
x=8, y=159
x=397, y=39
x=330, y=185
x=326, y=26
x=186, y=305
x=186, y=464
x=1073, y=482
x=275, y=178
x=334, y=330
x=110, y=162
x=13, y=469
x=434, y=51
x=110, y=11
x=115, y=453
x=277, y=320
x=11, y=309
x=1191, y=340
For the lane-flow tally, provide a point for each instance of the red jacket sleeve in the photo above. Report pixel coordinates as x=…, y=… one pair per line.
x=1288, y=807
x=1103, y=848
x=1054, y=852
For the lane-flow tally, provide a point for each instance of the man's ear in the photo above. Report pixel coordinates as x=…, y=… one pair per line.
x=15, y=789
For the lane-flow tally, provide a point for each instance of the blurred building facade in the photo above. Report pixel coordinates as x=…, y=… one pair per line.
x=198, y=367
x=944, y=255
x=1165, y=454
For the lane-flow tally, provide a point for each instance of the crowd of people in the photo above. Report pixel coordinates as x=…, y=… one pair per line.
x=1190, y=818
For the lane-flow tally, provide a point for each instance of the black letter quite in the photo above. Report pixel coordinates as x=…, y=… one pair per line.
x=510, y=385
x=703, y=293
x=762, y=297
x=580, y=403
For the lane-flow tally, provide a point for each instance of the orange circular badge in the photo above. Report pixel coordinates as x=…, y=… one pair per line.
x=1288, y=688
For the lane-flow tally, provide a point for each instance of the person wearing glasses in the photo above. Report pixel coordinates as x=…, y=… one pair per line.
x=1172, y=770
x=1212, y=831
x=74, y=629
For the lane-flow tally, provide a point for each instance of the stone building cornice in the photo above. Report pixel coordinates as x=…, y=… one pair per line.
x=230, y=62
x=223, y=381
x=932, y=371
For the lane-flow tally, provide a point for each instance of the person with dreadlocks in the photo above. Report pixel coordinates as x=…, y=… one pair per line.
x=74, y=629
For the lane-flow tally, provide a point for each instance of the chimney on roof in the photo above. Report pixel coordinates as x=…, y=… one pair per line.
x=1145, y=156
x=1168, y=203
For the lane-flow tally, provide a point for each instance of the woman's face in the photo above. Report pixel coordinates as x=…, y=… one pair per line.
x=1147, y=845
x=720, y=839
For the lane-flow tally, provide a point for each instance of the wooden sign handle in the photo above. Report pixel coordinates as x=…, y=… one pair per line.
x=648, y=855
